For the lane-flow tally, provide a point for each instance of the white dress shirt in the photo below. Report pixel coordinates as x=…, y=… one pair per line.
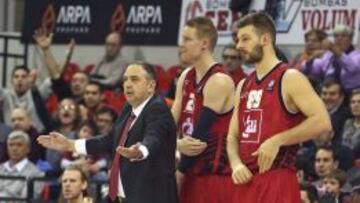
x=80, y=146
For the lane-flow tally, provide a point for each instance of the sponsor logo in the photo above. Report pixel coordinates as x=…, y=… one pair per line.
x=144, y=19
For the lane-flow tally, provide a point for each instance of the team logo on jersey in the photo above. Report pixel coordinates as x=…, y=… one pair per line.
x=252, y=122
x=190, y=105
x=187, y=127
x=254, y=99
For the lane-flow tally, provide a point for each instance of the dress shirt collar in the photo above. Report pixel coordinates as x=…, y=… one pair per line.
x=18, y=166
x=137, y=111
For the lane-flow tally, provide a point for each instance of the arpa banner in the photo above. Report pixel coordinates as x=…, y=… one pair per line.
x=151, y=22
x=141, y=22
x=216, y=10
x=296, y=17
x=88, y=21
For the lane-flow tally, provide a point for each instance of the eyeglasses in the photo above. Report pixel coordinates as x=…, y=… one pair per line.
x=230, y=57
x=67, y=107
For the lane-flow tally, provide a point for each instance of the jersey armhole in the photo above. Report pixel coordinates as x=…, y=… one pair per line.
x=281, y=97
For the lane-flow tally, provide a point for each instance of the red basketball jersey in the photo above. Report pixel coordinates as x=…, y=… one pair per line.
x=214, y=159
x=262, y=114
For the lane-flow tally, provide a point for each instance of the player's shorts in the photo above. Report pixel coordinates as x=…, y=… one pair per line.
x=276, y=186
x=207, y=189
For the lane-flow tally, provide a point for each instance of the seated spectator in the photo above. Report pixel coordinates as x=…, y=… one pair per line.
x=74, y=184
x=67, y=120
x=341, y=61
x=30, y=98
x=93, y=100
x=105, y=119
x=334, y=99
x=326, y=160
x=308, y=193
x=20, y=120
x=313, y=39
x=351, y=131
x=231, y=59
x=89, y=163
x=18, y=147
x=332, y=185
x=109, y=70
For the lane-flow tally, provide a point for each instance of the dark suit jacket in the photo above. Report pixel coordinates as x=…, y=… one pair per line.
x=151, y=180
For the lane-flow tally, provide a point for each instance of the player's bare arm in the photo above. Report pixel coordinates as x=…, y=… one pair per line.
x=299, y=96
x=241, y=174
x=219, y=93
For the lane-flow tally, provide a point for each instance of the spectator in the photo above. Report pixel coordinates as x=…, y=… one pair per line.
x=92, y=164
x=93, y=100
x=20, y=120
x=313, y=40
x=110, y=69
x=57, y=72
x=351, y=131
x=67, y=120
x=105, y=119
x=333, y=183
x=18, y=146
x=334, y=99
x=29, y=98
x=74, y=184
x=326, y=160
x=341, y=61
x=231, y=60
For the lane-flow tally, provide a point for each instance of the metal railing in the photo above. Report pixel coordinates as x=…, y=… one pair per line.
x=6, y=37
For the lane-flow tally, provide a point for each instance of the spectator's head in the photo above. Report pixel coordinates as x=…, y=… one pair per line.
x=74, y=183
x=87, y=129
x=332, y=94
x=343, y=36
x=334, y=181
x=93, y=95
x=326, y=160
x=139, y=83
x=105, y=119
x=256, y=33
x=68, y=113
x=20, y=119
x=78, y=83
x=308, y=193
x=18, y=146
x=355, y=103
x=313, y=39
x=231, y=58
x=20, y=79
x=199, y=37
x=112, y=45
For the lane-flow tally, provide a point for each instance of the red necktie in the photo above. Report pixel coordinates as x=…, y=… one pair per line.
x=115, y=167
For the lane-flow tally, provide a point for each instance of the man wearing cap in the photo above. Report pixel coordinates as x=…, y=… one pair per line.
x=341, y=61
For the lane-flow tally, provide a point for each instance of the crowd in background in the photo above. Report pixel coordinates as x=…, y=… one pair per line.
x=83, y=102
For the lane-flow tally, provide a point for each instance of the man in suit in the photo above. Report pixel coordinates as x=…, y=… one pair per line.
x=146, y=158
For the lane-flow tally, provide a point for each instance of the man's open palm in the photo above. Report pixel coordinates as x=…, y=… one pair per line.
x=56, y=141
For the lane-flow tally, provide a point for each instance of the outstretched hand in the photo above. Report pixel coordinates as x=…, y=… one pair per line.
x=56, y=141
x=133, y=152
x=42, y=38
